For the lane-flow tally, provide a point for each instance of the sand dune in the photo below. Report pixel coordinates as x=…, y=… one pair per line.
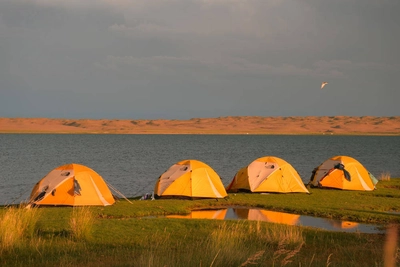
x=221, y=125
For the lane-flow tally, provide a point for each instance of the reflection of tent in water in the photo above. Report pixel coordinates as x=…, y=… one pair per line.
x=72, y=185
x=343, y=224
x=202, y=214
x=267, y=216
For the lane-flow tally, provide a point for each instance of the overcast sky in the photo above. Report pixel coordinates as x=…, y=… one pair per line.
x=182, y=59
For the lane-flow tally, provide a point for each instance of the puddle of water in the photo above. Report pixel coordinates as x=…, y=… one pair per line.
x=281, y=217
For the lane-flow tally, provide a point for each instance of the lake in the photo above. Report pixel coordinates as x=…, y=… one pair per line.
x=132, y=163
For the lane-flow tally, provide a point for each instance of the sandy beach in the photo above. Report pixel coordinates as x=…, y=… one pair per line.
x=365, y=125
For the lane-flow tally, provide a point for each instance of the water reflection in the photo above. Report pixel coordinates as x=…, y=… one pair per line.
x=266, y=215
x=344, y=224
x=280, y=217
x=203, y=214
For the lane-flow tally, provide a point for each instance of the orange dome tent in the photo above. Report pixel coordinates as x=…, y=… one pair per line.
x=192, y=179
x=268, y=174
x=343, y=172
x=72, y=185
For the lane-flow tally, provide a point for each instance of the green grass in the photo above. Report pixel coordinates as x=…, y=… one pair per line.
x=360, y=206
x=174, y=242
x=16, y=223
x=81, y=223
x=119, y=235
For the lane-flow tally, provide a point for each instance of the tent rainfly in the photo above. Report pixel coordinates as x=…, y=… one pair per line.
x=72, y=185
x=190, y=179
x=343, y=172
x=267, y=174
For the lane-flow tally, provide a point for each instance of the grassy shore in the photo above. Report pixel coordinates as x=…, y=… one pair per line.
x=124, y=235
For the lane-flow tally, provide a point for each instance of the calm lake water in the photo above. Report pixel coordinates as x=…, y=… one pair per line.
x=132, y=163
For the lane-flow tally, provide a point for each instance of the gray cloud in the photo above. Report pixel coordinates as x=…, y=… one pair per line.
x=181, y=59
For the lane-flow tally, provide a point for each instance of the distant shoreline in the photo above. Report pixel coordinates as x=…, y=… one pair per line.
x=255, y=125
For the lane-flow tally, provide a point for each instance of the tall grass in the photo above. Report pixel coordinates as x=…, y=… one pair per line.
x=229, y=244
x=231, y=241
x=385, y=176
x=81, y=223
x=16, y=224
x=179, y=243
